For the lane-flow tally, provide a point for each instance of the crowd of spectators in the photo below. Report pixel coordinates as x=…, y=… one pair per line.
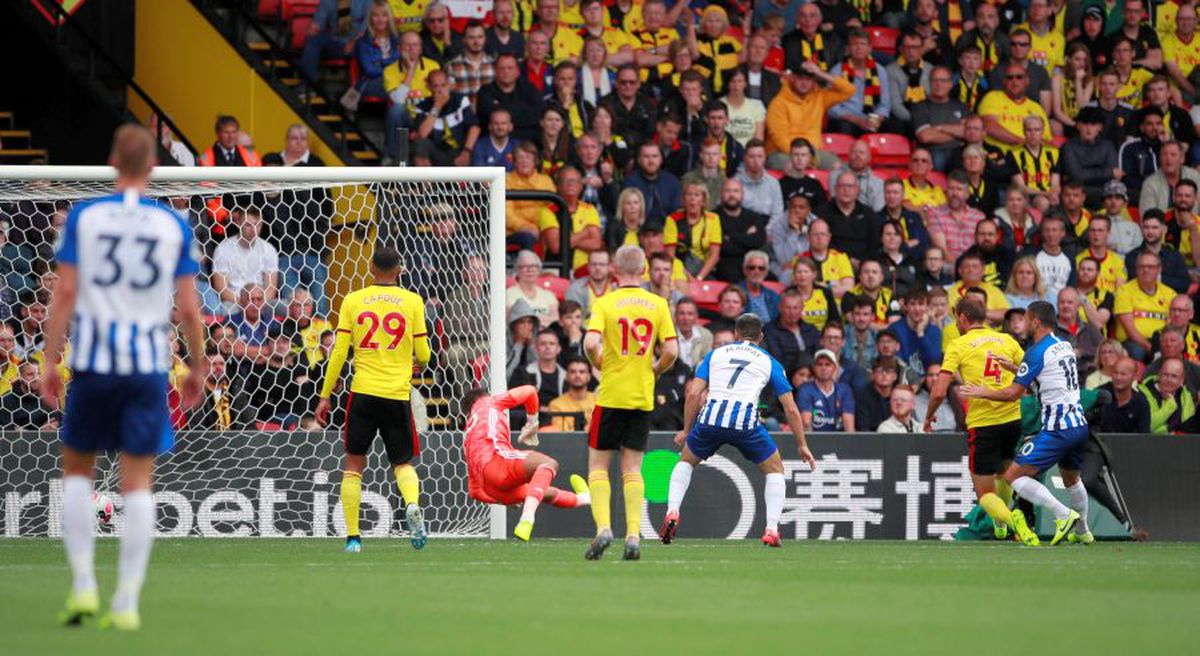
x=1046, y=153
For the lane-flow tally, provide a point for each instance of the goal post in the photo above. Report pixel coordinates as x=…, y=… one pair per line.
x=256, y=447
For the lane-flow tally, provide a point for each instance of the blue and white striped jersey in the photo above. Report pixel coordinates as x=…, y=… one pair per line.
x=128, y=251
x=736, y=375
x=1051, y=365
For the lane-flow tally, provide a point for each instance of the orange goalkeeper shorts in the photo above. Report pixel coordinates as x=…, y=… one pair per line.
x=505, y=480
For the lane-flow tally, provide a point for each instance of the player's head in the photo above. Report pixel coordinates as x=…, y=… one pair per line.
x=133, y=154
x=969, y=312
x=629, y=262
x=385, y=263
x=748, y=328
x=472, y=397
x=1040, y=318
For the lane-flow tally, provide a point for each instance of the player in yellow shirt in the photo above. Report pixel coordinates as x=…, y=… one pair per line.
x=1142, y=306
x=386, y=326
x=983, y=356
x=626, y=325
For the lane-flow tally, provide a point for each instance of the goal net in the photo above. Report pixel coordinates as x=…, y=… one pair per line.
x=281, y=248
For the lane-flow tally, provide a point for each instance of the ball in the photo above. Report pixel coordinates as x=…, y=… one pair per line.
x=103, y=507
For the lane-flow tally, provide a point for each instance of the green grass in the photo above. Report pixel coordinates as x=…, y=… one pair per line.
x=226, y=597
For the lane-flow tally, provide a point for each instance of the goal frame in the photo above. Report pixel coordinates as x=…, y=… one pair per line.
x=493, y=176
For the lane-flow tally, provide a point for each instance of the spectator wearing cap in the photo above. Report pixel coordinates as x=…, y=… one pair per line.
x=825, y=404
x=1154, y=240
x=1158, y=188
x=872, y=405
x=1088, y=159
x=522, y=328
x=1125, y=234
x=938, y=120
x=870, y=185
x=744, y=232
x=1091, y=35
x=799, y=111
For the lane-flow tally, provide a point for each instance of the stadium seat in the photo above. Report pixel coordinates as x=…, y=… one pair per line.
x=822, y=176
x=298, y=32
x=1058, y=140
x=354, y=82
x=888, y=149
x=775, y=286
x=705, y=293
x=937, y=179
x=555, y=285
x=838, y=144
x=883, y=39
x=509, y=281
x=775, y=173
x=290, y=8
x=268, y=9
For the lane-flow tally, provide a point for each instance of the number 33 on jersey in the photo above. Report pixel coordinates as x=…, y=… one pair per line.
x=632, y=321
x=383, y=322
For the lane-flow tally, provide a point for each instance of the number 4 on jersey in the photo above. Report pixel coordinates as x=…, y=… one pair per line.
x=992, y=368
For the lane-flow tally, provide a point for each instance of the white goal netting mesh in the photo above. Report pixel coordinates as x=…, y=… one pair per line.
x=278, y=257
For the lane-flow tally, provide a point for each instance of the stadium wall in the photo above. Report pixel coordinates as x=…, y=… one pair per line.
x=195, y=75
x=868, y=486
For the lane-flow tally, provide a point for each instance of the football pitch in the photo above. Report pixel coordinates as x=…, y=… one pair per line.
x=258, y=596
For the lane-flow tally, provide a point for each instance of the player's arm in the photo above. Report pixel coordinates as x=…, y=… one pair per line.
x=62, y=307
x=796, y=423
x=191, y=320
x=936, y=396
x=668, y=353
x=421, y=351
x=1010, y=393
x=526, y=395
x=593, y=347
x=691, y=407
x=333, y=370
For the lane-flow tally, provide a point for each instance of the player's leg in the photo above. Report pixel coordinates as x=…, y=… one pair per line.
x=79, y=534
x=558, y=497
x=1044, y=450
x=773, y=494
x=985, y=459
x=402, y=444
x=357, y=436
x=137, y=538
x=634, y=490
x=539, y=470
x=1069, y=467
x=601, y=445
x=681, y=479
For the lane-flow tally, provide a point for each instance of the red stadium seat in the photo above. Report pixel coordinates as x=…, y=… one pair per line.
x=354, y=82
x=838, y=144
x=706, y=292
x=775, y=286
x=883, y=39
x=821, y=176
x=298, y=32
x=889, y=149
x=555, y=285
x=290, y=8
x=937, y=179
x=268, y=9
x=1058, y=140
x=509, y=281
x=775, y=173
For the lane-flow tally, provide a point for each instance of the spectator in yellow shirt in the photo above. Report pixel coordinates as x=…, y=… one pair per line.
x=1142, y=306
x=576, y=400
x=585, y=221
x=521, y=217
x=1004, y=111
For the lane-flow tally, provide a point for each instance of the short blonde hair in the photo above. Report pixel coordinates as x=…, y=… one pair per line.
x=630, y=260
x=133, y=152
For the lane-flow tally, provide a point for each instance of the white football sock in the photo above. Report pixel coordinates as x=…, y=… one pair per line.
x=529, y=510
x=681, y=478
x=1079, y=503
x=79, y=530
x=1036, y=493
x=136, y=539
x=773, y=494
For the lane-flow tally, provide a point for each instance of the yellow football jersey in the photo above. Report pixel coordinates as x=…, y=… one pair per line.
x=1149, y=311
x=631, y=320
x=1011, y=116
x=973, y=356
x=386, y=326
x=1112, y=269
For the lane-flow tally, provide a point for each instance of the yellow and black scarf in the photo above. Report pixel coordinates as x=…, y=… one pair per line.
x=870, y=75
x=1037, y=169
x=862, y=8
x=969, y=94
x=814, y=51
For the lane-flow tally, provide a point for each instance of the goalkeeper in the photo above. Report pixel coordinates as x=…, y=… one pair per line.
x=499, y=473
x=386, y=326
